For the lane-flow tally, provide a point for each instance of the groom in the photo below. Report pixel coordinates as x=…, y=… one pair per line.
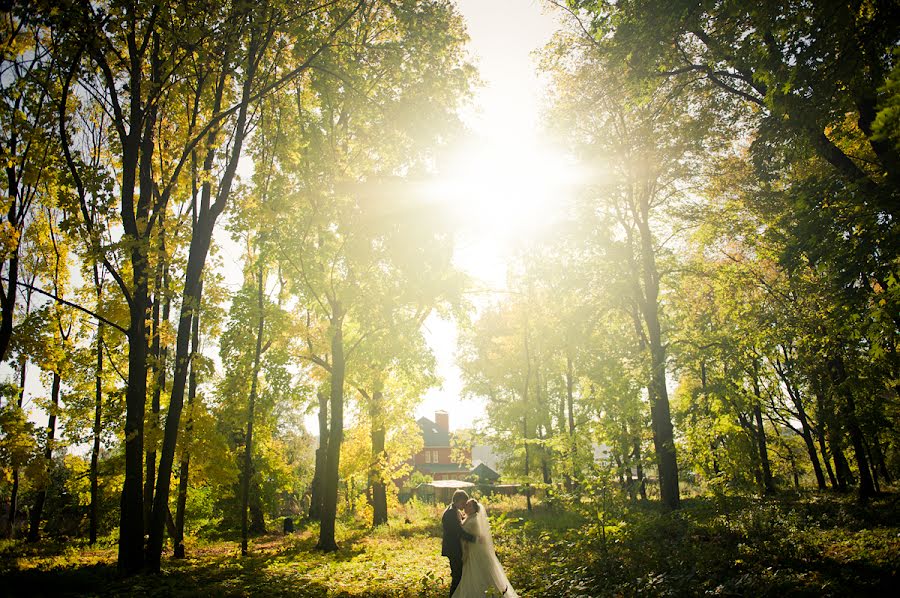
x=454, y=533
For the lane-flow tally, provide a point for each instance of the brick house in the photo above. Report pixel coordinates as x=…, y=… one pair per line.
x=434, y=458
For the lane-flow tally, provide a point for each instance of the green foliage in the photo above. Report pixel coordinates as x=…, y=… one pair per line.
x=18, y=446
x=809, y=545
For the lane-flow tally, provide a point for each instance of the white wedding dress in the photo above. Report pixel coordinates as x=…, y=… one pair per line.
x=482, y=573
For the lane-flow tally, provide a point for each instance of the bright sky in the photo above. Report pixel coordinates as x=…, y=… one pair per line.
x=505, y=179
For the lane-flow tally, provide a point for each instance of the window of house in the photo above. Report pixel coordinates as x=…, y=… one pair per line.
x=434, y=457
x=428, y=456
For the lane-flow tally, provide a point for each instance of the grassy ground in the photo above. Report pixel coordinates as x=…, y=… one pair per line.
x=817, y=545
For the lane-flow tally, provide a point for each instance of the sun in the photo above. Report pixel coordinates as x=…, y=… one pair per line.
x=503, y=189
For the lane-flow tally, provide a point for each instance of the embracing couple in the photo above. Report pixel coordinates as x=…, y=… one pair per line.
x=474, y=568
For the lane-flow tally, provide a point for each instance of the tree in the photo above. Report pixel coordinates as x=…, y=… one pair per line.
x=649, y=143
x=26, y=145
x=142, y=63
x=343, y=242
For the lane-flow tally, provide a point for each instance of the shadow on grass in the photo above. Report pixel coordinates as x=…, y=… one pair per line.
x=210, y=572
x=816, y=544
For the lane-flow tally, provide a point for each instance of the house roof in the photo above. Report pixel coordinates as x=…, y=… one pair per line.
x=483, y=471
x=441, y=468
x=432, y=435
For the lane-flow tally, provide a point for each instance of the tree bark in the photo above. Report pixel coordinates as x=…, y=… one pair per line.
x=137, y=150
x=525, y=402
x=158, y=371
x=806, y=434
x=823, y=448
x=14, y=491
x=879, y=457
x=660, y=415
x=642, y=482
x=768, y=482
x=95, y=449
x=197, y=254
x=327, y=541
x=8, y=295
x=257, y=518
x=527, y=463
x=379, y=457
x=805, y=431
x=184, y=470
x=570, y=404
x=317, y=491
x=842, y=467
x=34, y=530
x=839, y=379
x=251, y=407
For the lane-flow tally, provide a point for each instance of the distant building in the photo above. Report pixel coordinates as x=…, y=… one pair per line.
x=485, y=474
x=434, y=458
x=484, y=454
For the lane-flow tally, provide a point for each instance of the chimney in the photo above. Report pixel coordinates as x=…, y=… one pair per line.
x=442, y=421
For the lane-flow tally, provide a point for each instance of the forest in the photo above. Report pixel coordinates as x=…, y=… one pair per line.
x=225, y=220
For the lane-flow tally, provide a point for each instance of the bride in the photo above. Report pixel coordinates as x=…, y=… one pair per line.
x=482, y=573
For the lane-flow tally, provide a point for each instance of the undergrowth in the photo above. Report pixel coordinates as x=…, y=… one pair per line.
x=810, y=545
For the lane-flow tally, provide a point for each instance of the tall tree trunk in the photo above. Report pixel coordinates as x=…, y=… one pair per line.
x=327, y=541
x=317, y=491
x=131, y=518
x=807, y=435
x=34, y=530
x=795, y=472
x=570, y=404
x=94, y=509
x=626, y=467
x=14, y=491
x=879, y=458
x=545, y=463
x=185, y=466
x=826, y=460
x=257, y=525
x=768, y=482
x=197, y=254
x=842, y=467
x=157, y=368
x=824, y=417
x=379, y=458
x=839, y=379
x=527, y=462
x=642, y=482
x=660, y=415
x=98, y=423
x=873, y=470
x=251, y=407
x=866, y=484
x=9, y=294
x=184, y=470
x=805, y=430
x=137, y=171
x=525, y=402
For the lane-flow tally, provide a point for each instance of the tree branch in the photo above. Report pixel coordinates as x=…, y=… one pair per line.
x=69, y=304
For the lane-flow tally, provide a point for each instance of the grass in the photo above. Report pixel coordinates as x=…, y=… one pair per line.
x=813, y=545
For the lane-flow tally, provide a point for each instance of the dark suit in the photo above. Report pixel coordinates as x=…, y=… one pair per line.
x=451, y=546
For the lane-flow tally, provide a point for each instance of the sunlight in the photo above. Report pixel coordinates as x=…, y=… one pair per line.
x=505, y=186
x=504, y=189
x=504, y=183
